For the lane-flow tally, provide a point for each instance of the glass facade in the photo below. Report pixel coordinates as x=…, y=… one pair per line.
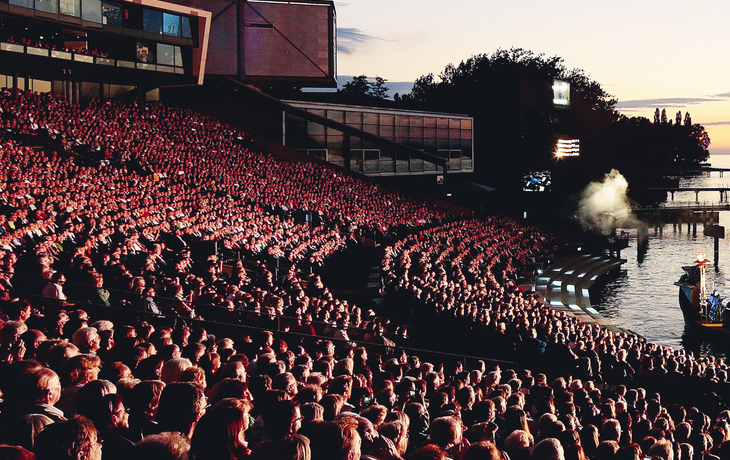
x=49, y=6
x=112, y=14
x=24, y=3
x=171, y=24
x=71, y=7
x=153, y=21
x=443, y=135
x=115, y=13
x=91, y=10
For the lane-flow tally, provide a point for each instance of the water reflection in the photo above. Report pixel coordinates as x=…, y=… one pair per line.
x=643, y=297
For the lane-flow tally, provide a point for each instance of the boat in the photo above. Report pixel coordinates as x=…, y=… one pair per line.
x=702, y=310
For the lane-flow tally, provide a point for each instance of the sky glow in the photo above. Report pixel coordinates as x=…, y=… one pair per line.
x=648, y=54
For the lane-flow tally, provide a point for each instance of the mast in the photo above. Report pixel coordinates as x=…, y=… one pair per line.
x=702, y=262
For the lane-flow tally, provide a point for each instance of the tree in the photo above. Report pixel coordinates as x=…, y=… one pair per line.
x=687, y=119
x=678, y=118
x=378, y=88
x=358, y=86
x=509, y=95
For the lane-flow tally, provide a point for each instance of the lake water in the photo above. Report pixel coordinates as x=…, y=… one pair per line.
x=644, y=299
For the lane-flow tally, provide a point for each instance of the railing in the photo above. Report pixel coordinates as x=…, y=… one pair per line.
x=86, y=58
x=698, y=205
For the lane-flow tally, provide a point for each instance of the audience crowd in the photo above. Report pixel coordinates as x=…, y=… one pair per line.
x=146, y=231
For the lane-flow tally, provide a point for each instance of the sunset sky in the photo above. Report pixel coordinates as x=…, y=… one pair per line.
x=648, y=54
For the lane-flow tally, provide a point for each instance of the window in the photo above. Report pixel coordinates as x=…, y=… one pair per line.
x=112, y=14
x=165, y=54
x=178, y=56
x=186, y=30
x=91, y=10
x=25, y=3
x=144, y=53
x=171, y=24
x=153, y=21
x=71, y=7
x=49, y=6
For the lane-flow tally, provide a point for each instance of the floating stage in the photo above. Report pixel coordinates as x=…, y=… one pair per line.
x=565, y=285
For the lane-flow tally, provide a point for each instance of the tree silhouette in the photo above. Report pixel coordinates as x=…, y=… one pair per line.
x=361, y=87
x=678, y=118
x=509, y=94
x=378, y=88
x=358, y=86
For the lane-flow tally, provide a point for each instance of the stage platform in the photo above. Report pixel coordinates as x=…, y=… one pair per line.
x=565, y=285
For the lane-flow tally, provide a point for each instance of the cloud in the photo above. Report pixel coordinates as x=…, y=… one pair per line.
x=348, y=39
x=716, y=123
x=667, y=102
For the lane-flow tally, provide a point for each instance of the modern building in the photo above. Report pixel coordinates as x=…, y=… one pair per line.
x=93, y=48
x=443, y=136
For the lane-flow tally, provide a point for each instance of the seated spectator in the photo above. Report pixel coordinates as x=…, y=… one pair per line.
x=163, y=446
x=68, y=440
x=220, y=432
x=548, y=449
x=181, y=406
x=87, y=340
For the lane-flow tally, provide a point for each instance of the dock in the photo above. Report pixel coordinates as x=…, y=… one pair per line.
x=566, y=284
x=723, y=191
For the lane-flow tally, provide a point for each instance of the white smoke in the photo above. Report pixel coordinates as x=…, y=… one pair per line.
x=605, y=205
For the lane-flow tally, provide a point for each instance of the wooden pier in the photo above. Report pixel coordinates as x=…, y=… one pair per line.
x=672, y=190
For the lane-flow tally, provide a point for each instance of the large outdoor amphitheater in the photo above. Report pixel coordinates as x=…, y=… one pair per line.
x=172, y=287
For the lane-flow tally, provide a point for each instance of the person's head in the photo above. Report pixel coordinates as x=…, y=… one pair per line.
x=611, y=430
x=75, y=439
x=234, y=370
x=295, y=447
x=87, y=340
x=181, y=406
x=40, y=386
x=518, y=440
x=109, y=414
x=80, y=369
x=483, y=450
x=445, y=432
x=332, y=405
x=89, y=397
x=429, y=452
x=172, y=369
x=145, y=397
x=662, y=449
x=19, y=310
x=164, y=446
x=397, y=432
x=418, y=416
x=548, y=449
x=281, y=419
x=286, y=383
x=220, y=432
x=336, y=441
x=11, y=331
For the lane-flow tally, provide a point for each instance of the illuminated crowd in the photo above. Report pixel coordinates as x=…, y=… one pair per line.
x=140, y=228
